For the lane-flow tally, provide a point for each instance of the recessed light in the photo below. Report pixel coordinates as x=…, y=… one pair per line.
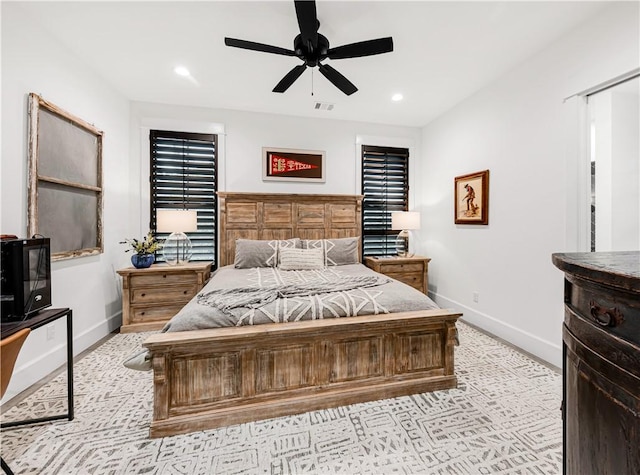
x=181, y=71
x=396, y=97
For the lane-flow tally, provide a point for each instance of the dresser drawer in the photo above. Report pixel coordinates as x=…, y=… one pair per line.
x=152, y=314
x=612, y=310
x=176, y=293
x=163, y=279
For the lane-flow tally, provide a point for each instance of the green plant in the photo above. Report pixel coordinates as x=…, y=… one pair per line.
x=148, y=245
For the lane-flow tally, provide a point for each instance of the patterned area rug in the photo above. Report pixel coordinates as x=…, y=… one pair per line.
x=503, y=418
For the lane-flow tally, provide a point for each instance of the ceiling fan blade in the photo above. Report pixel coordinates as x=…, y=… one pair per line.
x=362, y=48
x=290, y=78
x=337, y=79
x=250, y=45
x=307, y=21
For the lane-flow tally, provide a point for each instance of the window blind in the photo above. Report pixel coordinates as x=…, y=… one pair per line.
x=385, y=186
x=184, y=176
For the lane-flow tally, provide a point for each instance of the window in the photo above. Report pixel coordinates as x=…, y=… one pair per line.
x=184, y=176
x=385, y=186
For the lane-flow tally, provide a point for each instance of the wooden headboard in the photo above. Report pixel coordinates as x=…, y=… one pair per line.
x=283, y=216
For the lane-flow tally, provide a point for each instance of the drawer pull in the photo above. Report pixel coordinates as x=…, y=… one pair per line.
x=606, y=317
x=184, y=293
x=143, y=294
x=164, y=276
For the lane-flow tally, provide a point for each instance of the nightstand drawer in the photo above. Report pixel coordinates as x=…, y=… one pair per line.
x=177, y=293
x=414, y=280
x=163, y=279
x=152, y=314
x=388, y=268
x=410, y=270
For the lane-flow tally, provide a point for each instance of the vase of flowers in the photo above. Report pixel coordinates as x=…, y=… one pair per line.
x=143, y=250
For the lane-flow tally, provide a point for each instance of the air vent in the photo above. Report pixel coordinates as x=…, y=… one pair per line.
x=323, y=106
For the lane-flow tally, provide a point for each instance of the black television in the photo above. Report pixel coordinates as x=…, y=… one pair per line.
x=25, y=282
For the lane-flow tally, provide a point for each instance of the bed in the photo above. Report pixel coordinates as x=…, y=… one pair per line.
x=212, y=377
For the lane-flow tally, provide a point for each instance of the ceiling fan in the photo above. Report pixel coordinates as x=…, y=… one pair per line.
x=312, y=48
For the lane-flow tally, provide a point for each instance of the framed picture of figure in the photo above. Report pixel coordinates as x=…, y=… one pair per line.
x=471, y=194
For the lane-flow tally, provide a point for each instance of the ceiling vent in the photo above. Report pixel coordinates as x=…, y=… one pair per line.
x=324, y=106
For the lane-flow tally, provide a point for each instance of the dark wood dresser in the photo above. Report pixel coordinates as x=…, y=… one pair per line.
x=601, y=368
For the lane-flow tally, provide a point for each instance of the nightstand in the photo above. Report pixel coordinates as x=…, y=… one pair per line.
x=413, y=271
x=150, y=297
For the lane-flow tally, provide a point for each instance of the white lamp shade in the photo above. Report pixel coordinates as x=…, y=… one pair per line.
x=405, y=220
x=177, y=220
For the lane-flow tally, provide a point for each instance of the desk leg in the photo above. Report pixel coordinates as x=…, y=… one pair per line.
x=70, y=364
x=69, y=414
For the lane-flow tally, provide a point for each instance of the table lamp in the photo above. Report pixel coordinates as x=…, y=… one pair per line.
x=177, y=248
x=404, y=221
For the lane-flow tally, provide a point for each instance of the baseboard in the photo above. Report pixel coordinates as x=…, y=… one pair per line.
x=543, y=349
x=55, y=358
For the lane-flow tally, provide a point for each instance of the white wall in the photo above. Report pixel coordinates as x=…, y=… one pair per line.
x=520, y=129
x=32, y=61
x=245, y=133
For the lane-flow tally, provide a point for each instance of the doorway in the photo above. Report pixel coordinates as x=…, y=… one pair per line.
x=614, y=153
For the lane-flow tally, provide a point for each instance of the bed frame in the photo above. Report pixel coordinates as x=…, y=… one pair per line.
x=211, y=378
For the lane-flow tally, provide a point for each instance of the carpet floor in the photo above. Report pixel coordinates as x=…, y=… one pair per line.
x=504, y=418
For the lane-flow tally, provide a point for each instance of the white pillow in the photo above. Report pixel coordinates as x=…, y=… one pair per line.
x=301, y=259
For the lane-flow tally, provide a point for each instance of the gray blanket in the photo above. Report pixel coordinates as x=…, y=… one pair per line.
x=255, y=297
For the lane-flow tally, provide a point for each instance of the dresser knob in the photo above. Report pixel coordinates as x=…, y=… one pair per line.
x=143, y=295
x=605, y=317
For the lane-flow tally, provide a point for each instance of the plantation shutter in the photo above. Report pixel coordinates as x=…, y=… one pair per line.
x=184, y=176
x=385, y=186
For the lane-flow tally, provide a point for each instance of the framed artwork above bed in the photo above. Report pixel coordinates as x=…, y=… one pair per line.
x=285, y=164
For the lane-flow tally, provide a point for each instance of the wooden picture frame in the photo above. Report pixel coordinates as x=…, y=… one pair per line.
x=471, y=195
x=286, y=164
x=65, y=180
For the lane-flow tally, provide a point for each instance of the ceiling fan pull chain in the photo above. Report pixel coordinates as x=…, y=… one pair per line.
x=312, y=82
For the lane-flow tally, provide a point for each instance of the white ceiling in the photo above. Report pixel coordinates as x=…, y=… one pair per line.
x=443, y=51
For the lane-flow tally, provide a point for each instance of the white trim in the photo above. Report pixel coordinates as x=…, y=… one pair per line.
x=546, y=350
x=607, y=84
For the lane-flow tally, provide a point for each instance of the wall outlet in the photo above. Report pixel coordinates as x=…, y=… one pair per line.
x=476, y=297
x=51, y=332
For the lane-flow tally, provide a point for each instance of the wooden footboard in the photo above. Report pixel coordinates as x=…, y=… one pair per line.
x=210, y=378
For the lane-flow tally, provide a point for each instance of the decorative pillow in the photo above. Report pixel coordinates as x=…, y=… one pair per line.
x=301, y=259
x=259, y=253
x=337, y=252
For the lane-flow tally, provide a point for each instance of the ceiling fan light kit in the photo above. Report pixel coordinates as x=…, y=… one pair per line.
x=312, y=48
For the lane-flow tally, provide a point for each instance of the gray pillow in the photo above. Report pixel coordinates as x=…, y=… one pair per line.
x=260, y=253
x=337, y=252
x=301, y=259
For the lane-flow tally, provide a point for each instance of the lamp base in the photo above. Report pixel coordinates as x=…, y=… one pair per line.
x=402, y=244
x=177, y=249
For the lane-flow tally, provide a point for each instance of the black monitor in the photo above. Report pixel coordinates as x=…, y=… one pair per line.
x=25, y=281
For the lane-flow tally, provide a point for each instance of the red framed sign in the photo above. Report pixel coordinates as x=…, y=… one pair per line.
x=285, y=164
